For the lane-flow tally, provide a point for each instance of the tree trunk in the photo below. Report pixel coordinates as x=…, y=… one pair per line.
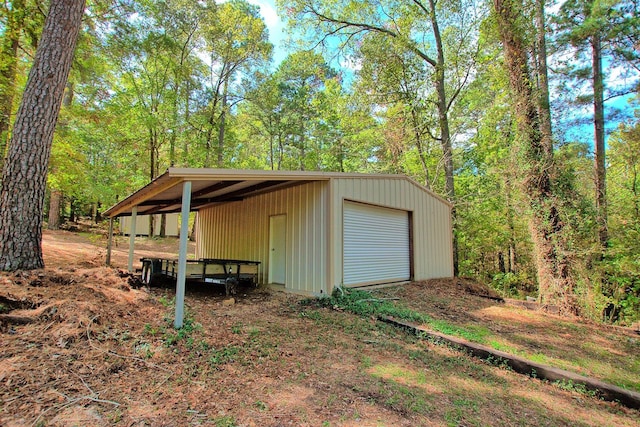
x=512, y=257
x=418, y=137
x=221, y=129
x=536, y=163
x=55, y=203
x=544, y=106
x=445, y=133
x=510, y=220
x=192, y=236
x=598, y=124
x=72, y=210
x=187, y=116
x=56, y=200
x=271, y=160
x=97, y=216
x=212, y=117
x=25, y=173
x=163, y=225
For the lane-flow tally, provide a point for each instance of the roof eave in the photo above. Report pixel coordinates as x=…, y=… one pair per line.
x=156, y=186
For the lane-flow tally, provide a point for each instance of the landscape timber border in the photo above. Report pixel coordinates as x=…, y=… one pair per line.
x=628, y=398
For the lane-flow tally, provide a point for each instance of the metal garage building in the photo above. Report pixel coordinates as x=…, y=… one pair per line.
x=311, y=231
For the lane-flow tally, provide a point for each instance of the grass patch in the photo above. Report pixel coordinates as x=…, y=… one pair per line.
x=224, y=355
x=174, y=336
x=463, y=412
x=399, y=374
x=364, y=304
x=225, y=421
x=534, y=357
x=400, y=398
x=471, y=333
x=569, y=385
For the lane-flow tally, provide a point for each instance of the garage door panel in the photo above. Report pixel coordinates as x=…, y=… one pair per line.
x=376, y=244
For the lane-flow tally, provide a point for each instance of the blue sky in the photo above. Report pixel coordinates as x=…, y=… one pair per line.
x=276, y=28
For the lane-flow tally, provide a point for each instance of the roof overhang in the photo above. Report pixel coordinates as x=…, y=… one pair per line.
x=208, y=188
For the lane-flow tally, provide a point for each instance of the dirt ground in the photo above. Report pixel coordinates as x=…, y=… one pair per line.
x=95, y=351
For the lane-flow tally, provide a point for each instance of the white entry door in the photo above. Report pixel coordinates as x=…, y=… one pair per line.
x=277, y=249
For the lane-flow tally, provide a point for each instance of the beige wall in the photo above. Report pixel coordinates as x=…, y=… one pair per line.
x=432, y=239
x=240, y=230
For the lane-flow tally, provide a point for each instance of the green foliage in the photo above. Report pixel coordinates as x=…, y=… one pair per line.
x=173, y=337
x=165, y=301
x=513, y=285
x=185, y=334
x=224, y=355
x=225, y=421
x=569, y=385
x=260, y=405
x=620, y=268
x=365, y=304
x=472, y=333
x=621, y=289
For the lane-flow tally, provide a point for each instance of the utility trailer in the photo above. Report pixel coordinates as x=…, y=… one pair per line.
x=227, y=272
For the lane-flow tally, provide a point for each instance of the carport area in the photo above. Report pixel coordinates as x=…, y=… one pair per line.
x=185, y=190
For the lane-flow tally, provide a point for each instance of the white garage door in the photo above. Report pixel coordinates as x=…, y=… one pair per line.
x=376, y=244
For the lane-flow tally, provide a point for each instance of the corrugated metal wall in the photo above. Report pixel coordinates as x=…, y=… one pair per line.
x=432, y=239
x=240, y=230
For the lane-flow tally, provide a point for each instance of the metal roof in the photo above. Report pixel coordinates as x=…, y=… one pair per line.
x=214, y=186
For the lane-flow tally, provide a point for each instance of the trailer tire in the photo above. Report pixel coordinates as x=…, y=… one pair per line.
x=231, y=286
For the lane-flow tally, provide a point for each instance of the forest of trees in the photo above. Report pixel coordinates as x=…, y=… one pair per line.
x=523, y=114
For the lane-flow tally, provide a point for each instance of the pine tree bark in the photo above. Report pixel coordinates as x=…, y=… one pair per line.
x=598, y=125
x=544, y=105
x=25, y=173
x=555, y=286
x=163, y=225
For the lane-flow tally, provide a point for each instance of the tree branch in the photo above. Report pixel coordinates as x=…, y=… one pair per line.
x=344, y=24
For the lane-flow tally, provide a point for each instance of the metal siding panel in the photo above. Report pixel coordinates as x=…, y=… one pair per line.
x=304, y=268
x=321, y=235
x=376, y=244
x=292, y=222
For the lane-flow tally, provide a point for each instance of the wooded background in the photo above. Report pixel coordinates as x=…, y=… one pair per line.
x=523, y=114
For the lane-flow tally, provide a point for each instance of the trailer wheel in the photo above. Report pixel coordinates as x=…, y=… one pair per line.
x=231, y=286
